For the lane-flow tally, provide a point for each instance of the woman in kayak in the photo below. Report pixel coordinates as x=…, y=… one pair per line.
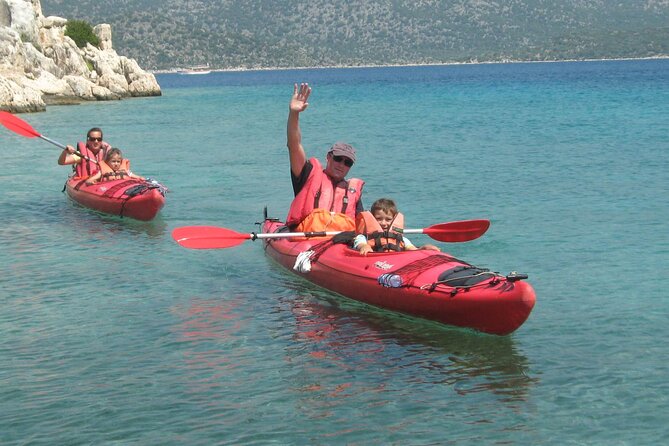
x=94, y=151
x=114, y=167
x=380, y=230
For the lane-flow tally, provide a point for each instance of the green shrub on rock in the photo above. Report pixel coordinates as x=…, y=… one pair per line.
x=81, y=32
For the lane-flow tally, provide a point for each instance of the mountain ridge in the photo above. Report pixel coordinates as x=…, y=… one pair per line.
x=261, y=33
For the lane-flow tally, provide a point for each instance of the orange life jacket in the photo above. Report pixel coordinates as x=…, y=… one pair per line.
x=319, y=194
x=86, y=168
x=321, y=220
x=109, y=174
x=377, y=238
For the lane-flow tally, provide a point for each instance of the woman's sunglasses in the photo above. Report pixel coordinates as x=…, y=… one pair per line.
x=91, y=138
x=339, y=159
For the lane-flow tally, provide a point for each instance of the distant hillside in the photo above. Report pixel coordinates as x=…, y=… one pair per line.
x=164, y=34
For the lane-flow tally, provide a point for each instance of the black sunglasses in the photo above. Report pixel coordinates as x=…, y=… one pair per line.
x=91, y=138
x=339, y=159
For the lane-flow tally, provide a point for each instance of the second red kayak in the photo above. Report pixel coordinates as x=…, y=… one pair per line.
x=132, y=198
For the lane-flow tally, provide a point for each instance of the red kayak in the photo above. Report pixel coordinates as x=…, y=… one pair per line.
x=126, y=198
x=132, y=198
x=426, y=284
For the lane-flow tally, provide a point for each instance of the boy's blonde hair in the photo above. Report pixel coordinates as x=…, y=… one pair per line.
x=113, y=151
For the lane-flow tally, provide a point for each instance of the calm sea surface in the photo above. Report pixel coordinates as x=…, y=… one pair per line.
x=110, y=333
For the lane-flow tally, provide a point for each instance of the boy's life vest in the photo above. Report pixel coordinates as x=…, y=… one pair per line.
x=85, y=168
x=109, y=174
x=321, y=205
x=377, y=238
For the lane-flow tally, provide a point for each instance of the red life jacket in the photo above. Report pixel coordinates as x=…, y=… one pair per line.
x=109, y=174
x=377, y=238
x=86, y=168
x=319, y=193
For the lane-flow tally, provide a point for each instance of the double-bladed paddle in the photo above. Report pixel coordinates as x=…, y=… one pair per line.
x=19, y=126
x=214, y=237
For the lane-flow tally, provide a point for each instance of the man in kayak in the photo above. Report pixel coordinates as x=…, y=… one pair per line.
x=94, y=151
x=324, y=198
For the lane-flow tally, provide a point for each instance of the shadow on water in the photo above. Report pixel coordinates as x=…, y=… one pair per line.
x=357, y=334
x=81, y=218
x=46, y=210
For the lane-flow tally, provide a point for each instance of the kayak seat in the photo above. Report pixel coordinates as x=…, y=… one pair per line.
x=136, y=190
x=464, y=276
x=344, y=237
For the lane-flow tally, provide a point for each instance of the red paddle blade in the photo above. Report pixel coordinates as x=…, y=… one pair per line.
x=458, y=231
x=208, y=237
x=17, y=125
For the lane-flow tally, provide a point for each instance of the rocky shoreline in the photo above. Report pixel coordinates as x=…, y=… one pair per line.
x=440, y=64
x=40, y=66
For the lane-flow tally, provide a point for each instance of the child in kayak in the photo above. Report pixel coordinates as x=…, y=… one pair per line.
x=380, y=230
x=114, y=167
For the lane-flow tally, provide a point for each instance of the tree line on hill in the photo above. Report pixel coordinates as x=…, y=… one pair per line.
x=164, y=34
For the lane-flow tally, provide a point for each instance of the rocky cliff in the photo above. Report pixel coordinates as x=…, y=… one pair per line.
x=39, y=65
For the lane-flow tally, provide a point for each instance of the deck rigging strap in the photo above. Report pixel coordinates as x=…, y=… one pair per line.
x=112, y=190
x=79, y=184
x=320, y=248
x=411, y=271
x=304, y=259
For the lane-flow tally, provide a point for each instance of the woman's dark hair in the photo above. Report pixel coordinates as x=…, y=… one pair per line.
x=94, y=129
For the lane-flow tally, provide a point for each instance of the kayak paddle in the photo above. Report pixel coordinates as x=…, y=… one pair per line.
x=455, y=231
x=19, y=126
x=214, y=237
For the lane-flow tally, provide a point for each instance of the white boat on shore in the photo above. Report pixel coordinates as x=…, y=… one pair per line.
x=198, y=69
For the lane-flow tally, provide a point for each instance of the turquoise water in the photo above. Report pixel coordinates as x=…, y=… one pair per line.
x=113, y=334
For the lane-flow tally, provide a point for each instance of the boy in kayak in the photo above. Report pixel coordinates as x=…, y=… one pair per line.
x=324, y=198
x=114, y=167
x=380, y=230
x=95, y=149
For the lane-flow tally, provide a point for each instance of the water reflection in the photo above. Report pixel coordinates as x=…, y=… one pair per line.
x=287, y=351
x=206, y=319
x=352, y=337
x=209, y=338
